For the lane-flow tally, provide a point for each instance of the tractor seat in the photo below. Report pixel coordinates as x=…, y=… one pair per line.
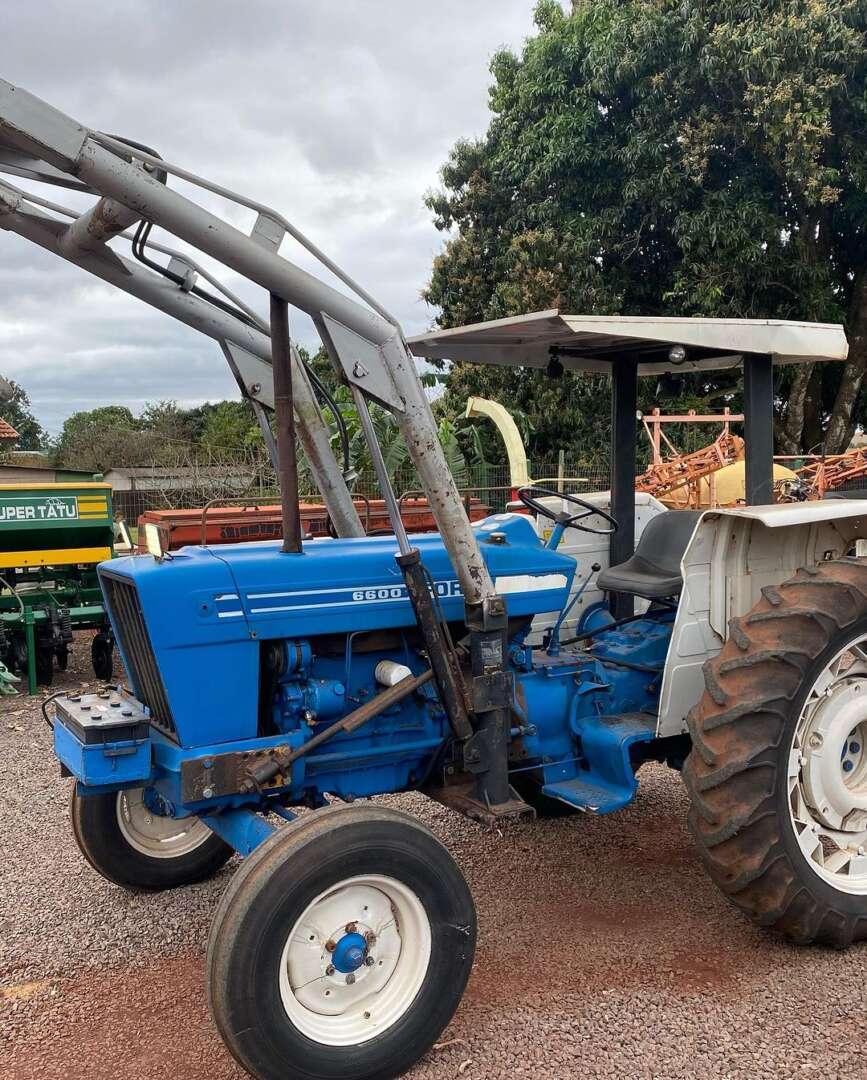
x=653, y=572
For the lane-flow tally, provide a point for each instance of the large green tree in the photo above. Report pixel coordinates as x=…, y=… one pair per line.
x=229, y=425
x=163, y=435
x=99, y=439
x=15, y=410
x=699, y=157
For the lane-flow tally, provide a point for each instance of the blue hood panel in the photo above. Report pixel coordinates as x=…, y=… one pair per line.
x=238, y=595
x=335, y=586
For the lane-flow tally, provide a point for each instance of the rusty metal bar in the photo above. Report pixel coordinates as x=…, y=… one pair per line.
x=287, y=462
x=282, y=762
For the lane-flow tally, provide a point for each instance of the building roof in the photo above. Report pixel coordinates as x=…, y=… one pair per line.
x=7, y=432
x=594, y=342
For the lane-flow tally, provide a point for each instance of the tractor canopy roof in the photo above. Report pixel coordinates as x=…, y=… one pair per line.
x=594, y=342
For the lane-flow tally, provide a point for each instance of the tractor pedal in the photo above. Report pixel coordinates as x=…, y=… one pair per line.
x=609, y=782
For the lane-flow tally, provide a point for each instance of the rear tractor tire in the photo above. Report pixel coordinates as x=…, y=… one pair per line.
x=341, y=948
x=141, y=851
x=777, y=776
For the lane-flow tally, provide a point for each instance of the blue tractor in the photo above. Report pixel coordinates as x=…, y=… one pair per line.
x=527, y=665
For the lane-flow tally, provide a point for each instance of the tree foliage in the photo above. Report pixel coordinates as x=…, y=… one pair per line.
x=697, y=157
x=112, y=437
x=15, y=410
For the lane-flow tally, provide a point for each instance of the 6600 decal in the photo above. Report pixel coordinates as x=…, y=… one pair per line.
x=444, y=589
x=391, y=592
x=309, y=599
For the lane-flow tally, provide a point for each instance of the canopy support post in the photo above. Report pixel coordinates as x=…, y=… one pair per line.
x=759, y=430
x=624, y=437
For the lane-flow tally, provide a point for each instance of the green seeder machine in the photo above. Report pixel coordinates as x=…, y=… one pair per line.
x=52, y=536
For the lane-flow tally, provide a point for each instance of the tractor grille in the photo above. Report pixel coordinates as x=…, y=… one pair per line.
x=134, y=640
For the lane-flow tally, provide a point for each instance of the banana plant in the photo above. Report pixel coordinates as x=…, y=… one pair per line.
x=388, y=436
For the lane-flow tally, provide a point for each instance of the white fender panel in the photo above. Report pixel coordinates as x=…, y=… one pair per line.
x=732, y=555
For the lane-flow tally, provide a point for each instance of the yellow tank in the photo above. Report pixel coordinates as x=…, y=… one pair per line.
x=728, y=486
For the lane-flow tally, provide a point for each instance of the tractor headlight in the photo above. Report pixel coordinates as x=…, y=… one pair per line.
x=152, y=541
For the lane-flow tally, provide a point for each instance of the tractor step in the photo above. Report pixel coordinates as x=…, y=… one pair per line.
x=461, y=795
x=608, y=782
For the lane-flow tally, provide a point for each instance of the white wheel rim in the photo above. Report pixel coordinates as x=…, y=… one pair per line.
x=336, y=1006
x=827, y=776
x=153, y=834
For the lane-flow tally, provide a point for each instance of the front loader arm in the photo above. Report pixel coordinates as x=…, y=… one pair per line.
x=364, y=342
x=245, y=344
x=367, y=344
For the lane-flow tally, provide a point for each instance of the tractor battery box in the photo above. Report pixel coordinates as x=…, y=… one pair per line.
x=103, y=739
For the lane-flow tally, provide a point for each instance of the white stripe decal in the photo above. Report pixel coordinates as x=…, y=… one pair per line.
x=314, y=592
x=513, y=583
x=510, y=583
x=336, y=603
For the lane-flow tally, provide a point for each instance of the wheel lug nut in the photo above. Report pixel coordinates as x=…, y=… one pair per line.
x=369, y=960
x=330, y=969
x=370, y=937
x=848, y=766
x=350, y=979
x=330, y=945
x=854, y=747
x=351, y=927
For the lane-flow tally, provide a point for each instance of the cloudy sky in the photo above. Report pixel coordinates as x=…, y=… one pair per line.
x=337, y=112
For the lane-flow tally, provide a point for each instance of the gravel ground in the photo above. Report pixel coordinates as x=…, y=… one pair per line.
x=603, y=952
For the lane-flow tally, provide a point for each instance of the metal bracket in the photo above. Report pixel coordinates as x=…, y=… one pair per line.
x=458, y=793
x=363, y=365
x=29, y=124
x=224, y=774
x=17, y=163
x=253, y=374
x=268, y=232
x=183, y=269
x=493, y=691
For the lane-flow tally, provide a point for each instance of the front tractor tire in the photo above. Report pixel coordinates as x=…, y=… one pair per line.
x=141, y=851
x=777, y=776
x=341, y=948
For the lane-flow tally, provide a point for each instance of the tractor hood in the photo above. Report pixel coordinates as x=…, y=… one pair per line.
x=334, y=586
x=236, y=596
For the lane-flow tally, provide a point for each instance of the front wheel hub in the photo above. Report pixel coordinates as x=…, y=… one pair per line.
x=335, y=988
x=827, y=774
x=349, y=953
x=834, y=767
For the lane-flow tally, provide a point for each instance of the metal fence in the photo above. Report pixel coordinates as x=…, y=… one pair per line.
x=489, y=483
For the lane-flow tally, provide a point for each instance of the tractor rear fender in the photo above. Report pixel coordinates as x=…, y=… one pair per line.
x=734, y=554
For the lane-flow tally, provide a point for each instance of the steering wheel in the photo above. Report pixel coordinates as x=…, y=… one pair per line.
x=529, y=496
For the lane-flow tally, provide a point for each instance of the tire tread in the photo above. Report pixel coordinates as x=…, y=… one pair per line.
x=737, y=729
